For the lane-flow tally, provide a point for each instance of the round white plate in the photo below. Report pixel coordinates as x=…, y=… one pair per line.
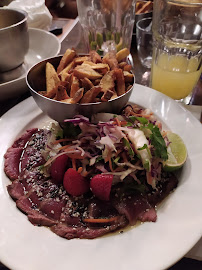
x=153, y=246
x=42, y=45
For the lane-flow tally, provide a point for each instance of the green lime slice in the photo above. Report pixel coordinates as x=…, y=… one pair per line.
x=177, y=153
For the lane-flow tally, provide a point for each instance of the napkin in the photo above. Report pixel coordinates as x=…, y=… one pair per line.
x=38, y=14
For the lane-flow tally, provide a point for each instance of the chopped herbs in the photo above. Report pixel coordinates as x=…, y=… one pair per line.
x=99, y=159
x=145, y=146
x=156, y=139
x=158, y=142
x=128, y=146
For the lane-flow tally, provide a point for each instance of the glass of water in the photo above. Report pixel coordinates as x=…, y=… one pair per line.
x=107, y=24
x=144, y=41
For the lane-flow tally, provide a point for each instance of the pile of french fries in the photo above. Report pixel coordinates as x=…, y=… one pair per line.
x=88, y=79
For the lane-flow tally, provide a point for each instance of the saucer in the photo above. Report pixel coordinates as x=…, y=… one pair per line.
x=42, y=45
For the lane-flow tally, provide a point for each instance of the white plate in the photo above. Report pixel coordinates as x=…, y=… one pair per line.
x=148, y=246
x=42, y=45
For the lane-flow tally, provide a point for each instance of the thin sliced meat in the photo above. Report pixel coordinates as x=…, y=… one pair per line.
x=31, y=156
x=12, y=160
x=86, y=232
x=25, y=153
x=41, y=220
x=25, y=205
x=16, y=190
x=67, y=217
x=24, y=138
x=148, y=215
x=135, y=208
x=163, y=190
x=101, y=209
x=52, y=208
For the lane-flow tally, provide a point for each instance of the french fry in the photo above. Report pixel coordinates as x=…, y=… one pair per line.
x=66, y=69
x=91, y=94
x=122, y=65
x=127, y=68
x=86, y=71
x=122, y=54
x=129, y=78
x=52, y=93
x=86, y=83
x=64, y=76
x=74, y=86
x=80, y=60
x=120, y=87
x=96, y=82
x=98, y=67
x=114, y=96
x=66, y=59
x=78, y=96
x=95, y=57
x=61, y=93
x=110, y=59
x=107, y=95
x=52, y=78
x=107, y=81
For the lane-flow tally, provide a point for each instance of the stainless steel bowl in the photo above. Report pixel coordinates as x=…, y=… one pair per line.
x=36, y=81
x=14, y=38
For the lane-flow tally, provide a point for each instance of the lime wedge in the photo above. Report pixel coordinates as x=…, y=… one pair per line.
x=177, y=153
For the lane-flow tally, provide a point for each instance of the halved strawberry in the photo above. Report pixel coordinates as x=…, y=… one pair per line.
x=101, y=186
x=58, y=168
x=74, y=183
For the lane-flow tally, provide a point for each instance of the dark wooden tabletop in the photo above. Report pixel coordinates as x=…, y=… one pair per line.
x=142, y=77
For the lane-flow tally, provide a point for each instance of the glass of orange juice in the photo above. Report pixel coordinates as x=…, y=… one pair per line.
x=177, y=47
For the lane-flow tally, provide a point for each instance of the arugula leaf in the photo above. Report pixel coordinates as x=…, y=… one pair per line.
x=142, y=120
x=70, y=130
x=132, y=118
x=129, y=124
x=158, y=142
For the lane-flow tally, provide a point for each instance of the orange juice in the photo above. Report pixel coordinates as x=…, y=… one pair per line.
x=175, y=75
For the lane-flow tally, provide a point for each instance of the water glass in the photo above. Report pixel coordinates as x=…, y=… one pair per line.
x=177, y=47
x=144, y=41
x=107, y=24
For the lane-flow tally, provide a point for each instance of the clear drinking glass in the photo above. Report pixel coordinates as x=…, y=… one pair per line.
x=177, y=47
x=144, y=41
x=107, y=24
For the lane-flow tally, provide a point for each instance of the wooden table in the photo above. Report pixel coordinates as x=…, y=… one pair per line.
x=72, y=37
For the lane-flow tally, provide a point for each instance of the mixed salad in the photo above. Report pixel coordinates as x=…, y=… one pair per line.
x=107, y=150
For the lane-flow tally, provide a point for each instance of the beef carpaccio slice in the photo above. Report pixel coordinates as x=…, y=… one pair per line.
x=48, y=204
